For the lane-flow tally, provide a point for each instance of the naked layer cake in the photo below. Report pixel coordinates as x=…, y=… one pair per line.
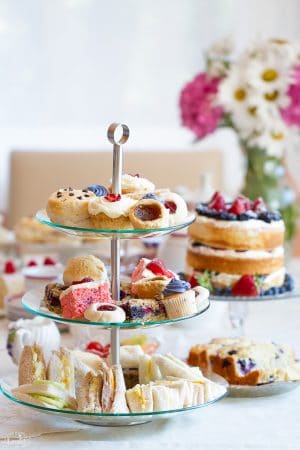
x=236, y=248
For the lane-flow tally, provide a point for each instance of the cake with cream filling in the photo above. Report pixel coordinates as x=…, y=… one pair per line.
x=237, y=249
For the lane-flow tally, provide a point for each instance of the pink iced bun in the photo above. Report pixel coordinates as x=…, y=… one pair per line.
x=77, y=298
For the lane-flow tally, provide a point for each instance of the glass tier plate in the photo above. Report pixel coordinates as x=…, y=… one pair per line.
x=263, y=390
x=295, y=293
x=32, y=300
x=106, y=419
x=42, y=217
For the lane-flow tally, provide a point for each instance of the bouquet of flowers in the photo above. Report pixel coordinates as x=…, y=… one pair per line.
x=258, y=95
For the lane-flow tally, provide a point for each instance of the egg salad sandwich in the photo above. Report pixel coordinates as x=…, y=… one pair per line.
x=32, y=366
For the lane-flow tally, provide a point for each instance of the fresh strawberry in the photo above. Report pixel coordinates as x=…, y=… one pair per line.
x=10, y=267
x=193, y=281
x=258, y=205
x=112, y=197
x=171, y=206
x=32, y=263
x=217, y=202
x=245, y=287
x=49, y=261
x=158, y=268
x=94, y=345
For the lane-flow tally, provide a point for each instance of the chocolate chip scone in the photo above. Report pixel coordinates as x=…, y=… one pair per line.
x=69, y=207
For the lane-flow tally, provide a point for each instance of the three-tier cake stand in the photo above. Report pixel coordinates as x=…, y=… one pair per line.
x=32, y=300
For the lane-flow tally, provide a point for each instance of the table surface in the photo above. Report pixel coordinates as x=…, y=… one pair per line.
x=256, y=423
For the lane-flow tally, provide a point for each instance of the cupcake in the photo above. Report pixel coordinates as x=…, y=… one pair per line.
x=150, y=278
x=111, y=212
x=179, y=299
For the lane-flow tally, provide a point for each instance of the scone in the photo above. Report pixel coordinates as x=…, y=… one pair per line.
x=81, y=267
x=70, y=207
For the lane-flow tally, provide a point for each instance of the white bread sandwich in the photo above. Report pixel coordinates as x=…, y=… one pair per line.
x=32, y=366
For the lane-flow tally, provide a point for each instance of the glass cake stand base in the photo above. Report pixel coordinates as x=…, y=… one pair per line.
x=238, y=307
x=105, y=420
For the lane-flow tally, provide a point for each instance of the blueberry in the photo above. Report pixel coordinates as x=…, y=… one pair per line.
x=224, y=215
x=246, y=365
x=227, y=291
x=281, y=290
x=243, y=217
x=218, y=291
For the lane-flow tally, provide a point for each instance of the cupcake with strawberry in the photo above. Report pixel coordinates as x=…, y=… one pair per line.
x=236, y=248
x=150, y=278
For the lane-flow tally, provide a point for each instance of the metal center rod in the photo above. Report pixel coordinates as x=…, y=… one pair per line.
x=115, y=243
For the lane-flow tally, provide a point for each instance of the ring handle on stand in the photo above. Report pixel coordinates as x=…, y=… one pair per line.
x=111, y=133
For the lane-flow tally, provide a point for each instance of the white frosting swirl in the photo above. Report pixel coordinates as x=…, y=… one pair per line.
x=111, y=209
x=134, y=184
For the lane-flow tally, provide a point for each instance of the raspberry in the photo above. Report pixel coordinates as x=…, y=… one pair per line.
x=240, y=205
x=10, y=267
x=258, y=205
x=112, y=197
x=171, y=206
x=32, y=263
x=49, y=261
x=217, y=202
x=245, y=286
x=158, y=268
x=193, y=281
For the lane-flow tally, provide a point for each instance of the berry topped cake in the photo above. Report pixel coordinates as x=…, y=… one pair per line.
x=236, y=248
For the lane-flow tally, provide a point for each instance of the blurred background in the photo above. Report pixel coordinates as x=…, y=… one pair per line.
x=70, y=67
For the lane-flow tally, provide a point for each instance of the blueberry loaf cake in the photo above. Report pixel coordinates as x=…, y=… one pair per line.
x=245, y=362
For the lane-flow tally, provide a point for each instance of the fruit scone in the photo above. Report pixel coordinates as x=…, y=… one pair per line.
x=246, y=362
x=237, y=248
x=85, y=283
x=156, y=293
x=140, y=205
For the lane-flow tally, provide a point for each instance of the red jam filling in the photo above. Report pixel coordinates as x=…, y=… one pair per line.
x=106, y=308
x=112, y=197
x=171, y=206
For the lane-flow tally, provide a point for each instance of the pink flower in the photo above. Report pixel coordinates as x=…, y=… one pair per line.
x=198, y=112
x=291, y=114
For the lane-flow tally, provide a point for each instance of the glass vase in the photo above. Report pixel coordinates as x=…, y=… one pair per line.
x=265, y=177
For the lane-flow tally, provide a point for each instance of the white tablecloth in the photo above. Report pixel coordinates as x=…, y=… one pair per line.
x=233, y=424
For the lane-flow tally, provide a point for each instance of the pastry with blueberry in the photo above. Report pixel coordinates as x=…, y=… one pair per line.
x=243, y=361
x=236, y=248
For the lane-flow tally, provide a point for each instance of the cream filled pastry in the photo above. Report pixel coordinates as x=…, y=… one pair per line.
x=135, y=183
x=105, y=312
x=111, y=211
x=176, y=206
